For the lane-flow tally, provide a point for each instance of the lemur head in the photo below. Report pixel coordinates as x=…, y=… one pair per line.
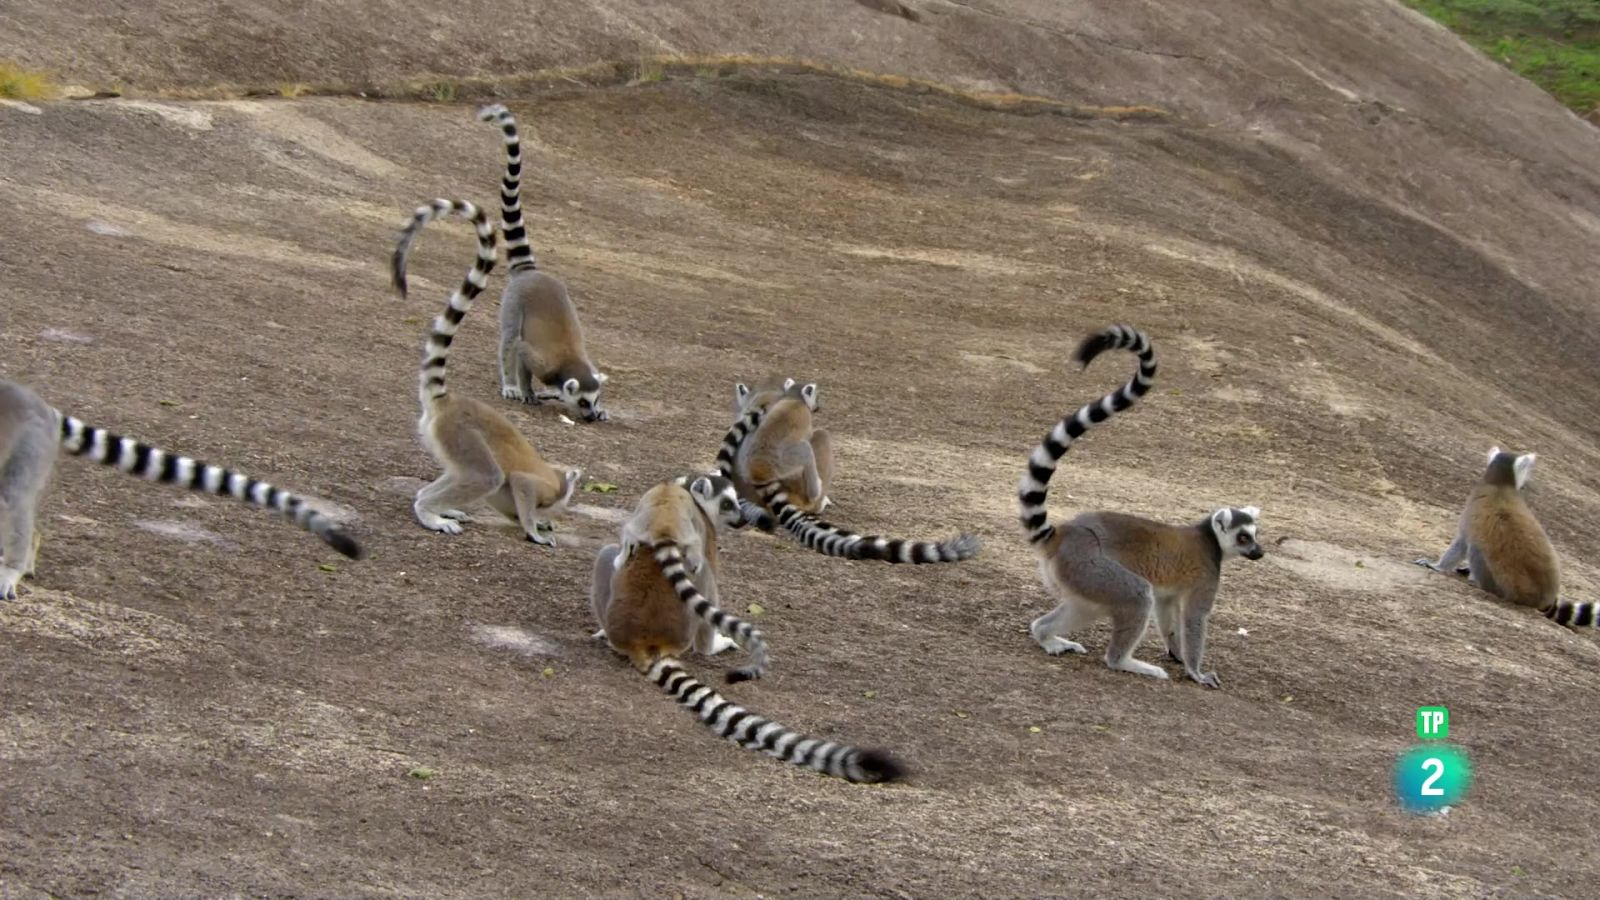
x=1507, y=468
x=1235, y=530
x=716, y=497
x=768, y=391
x=582, y=396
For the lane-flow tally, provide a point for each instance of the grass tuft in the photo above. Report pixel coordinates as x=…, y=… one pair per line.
x=17, y=83
x=442, y=91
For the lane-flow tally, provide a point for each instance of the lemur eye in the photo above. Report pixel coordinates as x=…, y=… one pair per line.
x=1244, y=538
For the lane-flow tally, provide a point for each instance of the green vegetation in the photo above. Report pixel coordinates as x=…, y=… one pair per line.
x=1553, y=43
x=442, y=91
x=17, y=83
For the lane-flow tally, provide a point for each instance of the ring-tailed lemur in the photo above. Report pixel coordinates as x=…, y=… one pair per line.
x=1106, y=564
x=1506, y=550
x=540, y=338
x=483, y=455
x=825, y=537
x=650, y=607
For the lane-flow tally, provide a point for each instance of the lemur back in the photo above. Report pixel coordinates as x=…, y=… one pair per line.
x=32, y=432
x=540, y=338
x=787, y=447
x=1516, y=557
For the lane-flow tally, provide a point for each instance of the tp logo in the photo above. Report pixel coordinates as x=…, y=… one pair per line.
x=1433, y=723
x=1429, y=778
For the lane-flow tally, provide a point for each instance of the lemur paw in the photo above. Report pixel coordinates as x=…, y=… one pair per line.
x=1056, y=646
x=513, y=393
x=1208, y=679
x=439, y=523
x=8, y=583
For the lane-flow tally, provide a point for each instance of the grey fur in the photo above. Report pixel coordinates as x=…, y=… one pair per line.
x=32, y=434
x=28, y=450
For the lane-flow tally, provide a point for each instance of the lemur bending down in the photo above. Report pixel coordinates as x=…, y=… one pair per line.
x=1108, y=564
x=653, y=606
x=31, y=434
x=483, y=455
x=1505, y=548
x=672, y=523
x=540, y=337
x=773, y=460
x=786, y=448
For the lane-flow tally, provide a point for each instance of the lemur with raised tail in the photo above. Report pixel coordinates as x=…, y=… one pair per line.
x=540, y=337
x=483, y=455
x=1107, y=564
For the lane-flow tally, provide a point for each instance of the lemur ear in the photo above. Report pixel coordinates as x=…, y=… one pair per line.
x=1251, y=511
x=809, y=395
x=703, y=488
x=601, y=377
x=1522, y=468
x=788, y=383
x=570, y=387
x=740, y=391
x=1221, y=519
x=1493, y=452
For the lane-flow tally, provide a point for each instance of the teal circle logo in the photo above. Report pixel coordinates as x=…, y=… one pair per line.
x=1427, y=779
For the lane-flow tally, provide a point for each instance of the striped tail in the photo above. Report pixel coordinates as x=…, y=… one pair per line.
x=437, y=350
x=147, y=462
x=519, y=255
x=753, y=732
x=825, y=537
x=731, y=442
x=1573, y=615
x=670, y=558
x=1042, y=462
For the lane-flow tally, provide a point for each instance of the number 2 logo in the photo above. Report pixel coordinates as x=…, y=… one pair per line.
x=1436, y=765
x=1428, y=779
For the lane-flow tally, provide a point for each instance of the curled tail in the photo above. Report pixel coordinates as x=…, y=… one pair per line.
x=437, y=350
x=670, y=558
x=1573, y=615
x=519, y=255
x=825, y=537
x=754, y=732
x=147, y=462
x=1042, y=462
